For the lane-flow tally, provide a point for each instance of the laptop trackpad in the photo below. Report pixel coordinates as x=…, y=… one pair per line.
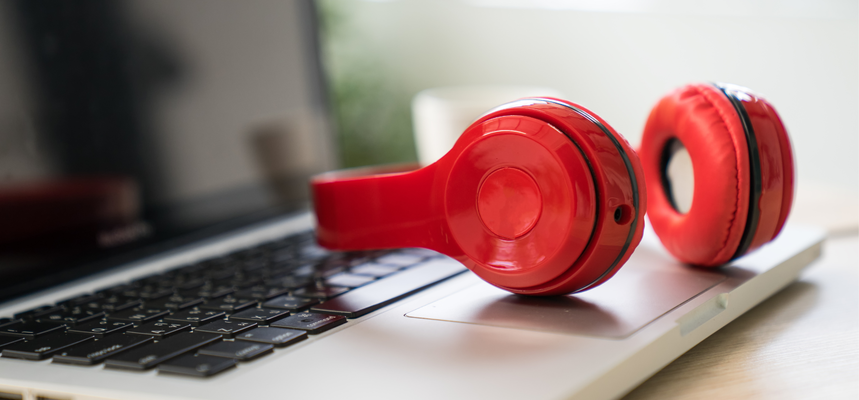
x=630, y=300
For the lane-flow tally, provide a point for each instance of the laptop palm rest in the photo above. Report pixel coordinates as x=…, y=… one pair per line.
x=646, y=288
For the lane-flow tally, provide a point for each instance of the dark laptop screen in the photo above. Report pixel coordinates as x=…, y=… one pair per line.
x=128, y=126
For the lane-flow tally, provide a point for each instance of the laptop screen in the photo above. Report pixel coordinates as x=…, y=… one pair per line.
x=130, y=126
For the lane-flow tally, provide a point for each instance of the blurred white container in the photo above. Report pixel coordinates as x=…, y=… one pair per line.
x=441, y=114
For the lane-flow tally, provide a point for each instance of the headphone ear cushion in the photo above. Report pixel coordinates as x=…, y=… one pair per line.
x=706, y=123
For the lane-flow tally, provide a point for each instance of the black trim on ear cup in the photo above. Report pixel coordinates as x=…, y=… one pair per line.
x=634, y=183
x=754, y=172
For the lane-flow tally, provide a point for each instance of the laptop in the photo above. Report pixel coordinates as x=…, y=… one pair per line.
x=156, y=240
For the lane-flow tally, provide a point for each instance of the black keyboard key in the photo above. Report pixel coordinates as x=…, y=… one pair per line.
x=254, y=264
x=101, y=328
x=291, y=303
x=213, y=292
x=282, y=255
x=75, y=315
x=153, y=354
x=220, y=274
x=4, y=321
x=239, y=350
x=262, y=293
x=154, y=293
x=277, y=337
x=138, y=315
x=189, y=284
x=167, y=279
x=313, y=323
x=229, y=304
x=320, y=292
x=349, y=280
x=159, y=329
x=118, y=303
x=31, y=314
x=79, y=300
x=259, y=315
x=245, y=282
x=294, y=282
x=385, y=291
x=175, y=302
x=43, y=347
x=29, y=329
x=92, y=305
x=197, y=365
x=375, y=270
x=96, y=351
x=226, y=328
x=196, y=317
x=7, y=340
x=330, y=268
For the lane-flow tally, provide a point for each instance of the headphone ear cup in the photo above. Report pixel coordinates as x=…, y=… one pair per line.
x=742, y=168
x=592, y=202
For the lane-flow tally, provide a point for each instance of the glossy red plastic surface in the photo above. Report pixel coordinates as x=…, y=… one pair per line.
x=611, y=241
x=707, y=124
x=527, y=199
x=509, y=202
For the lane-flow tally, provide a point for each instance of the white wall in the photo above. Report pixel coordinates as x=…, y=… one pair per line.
x=618, y=57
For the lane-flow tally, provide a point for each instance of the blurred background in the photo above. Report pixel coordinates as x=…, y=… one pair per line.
x=134, y=122
x=615, y=57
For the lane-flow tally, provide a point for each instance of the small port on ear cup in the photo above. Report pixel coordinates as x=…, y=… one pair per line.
x=623, y=214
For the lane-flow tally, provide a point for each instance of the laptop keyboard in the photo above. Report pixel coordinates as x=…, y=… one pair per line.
x=205, y=318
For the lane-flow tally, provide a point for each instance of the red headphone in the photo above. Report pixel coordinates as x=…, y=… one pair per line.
x=542, y=197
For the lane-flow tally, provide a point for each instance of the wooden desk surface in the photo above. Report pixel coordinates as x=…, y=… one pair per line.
x=802, y=343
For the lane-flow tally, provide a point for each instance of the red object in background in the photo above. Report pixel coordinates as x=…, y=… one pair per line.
x=64, y=213
x=743, y=170
x=538, y=197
